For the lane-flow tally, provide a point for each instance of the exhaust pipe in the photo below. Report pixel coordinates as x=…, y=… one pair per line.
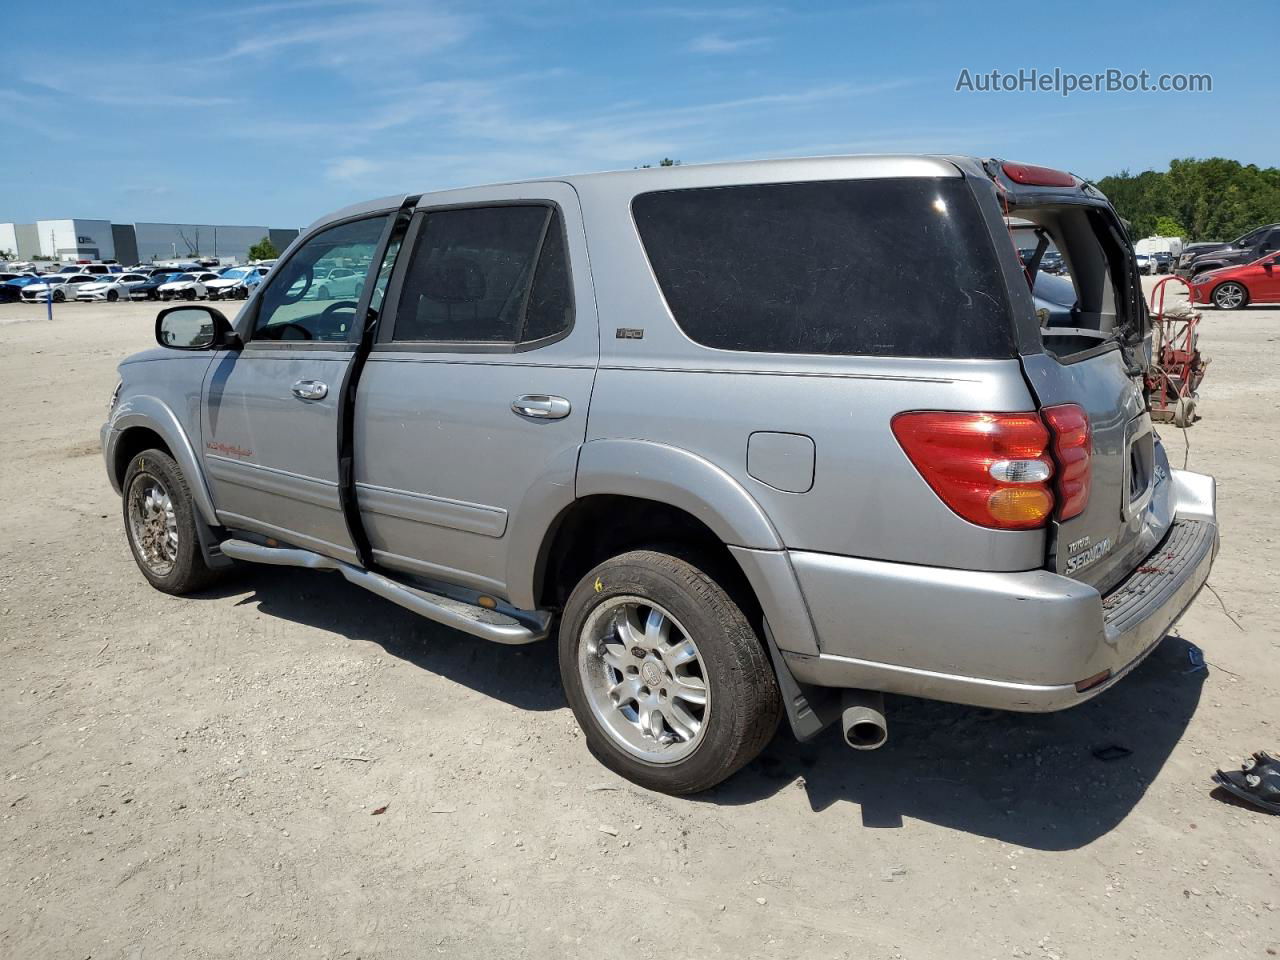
x=862, y=719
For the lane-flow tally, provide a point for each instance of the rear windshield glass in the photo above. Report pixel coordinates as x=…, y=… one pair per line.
x=874, y=267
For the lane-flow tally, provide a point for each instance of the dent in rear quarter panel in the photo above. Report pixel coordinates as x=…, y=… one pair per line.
x=867, y=499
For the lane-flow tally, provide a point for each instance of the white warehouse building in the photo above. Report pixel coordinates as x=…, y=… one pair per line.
x=75, y=239
x=71, y=240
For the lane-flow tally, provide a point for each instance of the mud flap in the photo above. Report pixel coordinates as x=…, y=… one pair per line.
x=210, y=547
x=810, y=709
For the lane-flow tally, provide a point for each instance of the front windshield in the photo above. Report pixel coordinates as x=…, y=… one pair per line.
x=184, y=276
x=235, y=273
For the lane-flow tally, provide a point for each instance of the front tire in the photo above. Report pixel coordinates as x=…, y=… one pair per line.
x=188, y=294
x=160, y=525
x=59, y=297
x=112, y=296
x=671, y=686
x=1230, y=296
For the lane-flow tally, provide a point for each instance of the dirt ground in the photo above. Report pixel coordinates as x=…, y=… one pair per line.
x=197, y=777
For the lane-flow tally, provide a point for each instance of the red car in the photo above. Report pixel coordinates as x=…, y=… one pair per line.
x=1231, y=288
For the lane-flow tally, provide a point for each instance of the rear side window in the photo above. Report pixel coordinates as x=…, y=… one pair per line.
x=873, y=267
x=489, y=275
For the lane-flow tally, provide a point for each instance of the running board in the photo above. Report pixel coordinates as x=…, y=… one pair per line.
x=498, y=626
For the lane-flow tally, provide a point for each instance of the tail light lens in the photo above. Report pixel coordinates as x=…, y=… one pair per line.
x=1032, y=175
x=993, y=469
x=1072, y=450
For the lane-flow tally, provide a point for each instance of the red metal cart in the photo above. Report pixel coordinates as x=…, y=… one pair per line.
x=1176, y=367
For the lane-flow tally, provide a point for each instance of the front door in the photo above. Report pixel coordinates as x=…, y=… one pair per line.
x=270, y=411
x=1263, y=280
x=475, y=394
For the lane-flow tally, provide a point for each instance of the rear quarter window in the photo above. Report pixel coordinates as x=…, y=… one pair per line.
x=853, y=267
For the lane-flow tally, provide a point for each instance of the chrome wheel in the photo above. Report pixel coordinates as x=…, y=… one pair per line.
x=153, y=524
x=644, y=679
x=1229, y=296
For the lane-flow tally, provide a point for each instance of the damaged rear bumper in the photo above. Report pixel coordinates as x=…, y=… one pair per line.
x=1032, y=641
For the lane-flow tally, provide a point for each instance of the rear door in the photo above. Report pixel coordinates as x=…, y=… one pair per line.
x=270, y=411
x=474, y=398
x=1088, y=363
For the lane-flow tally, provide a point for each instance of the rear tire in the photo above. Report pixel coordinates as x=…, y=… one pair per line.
x=633, y=684
x=160, y=525
x=1230, y=296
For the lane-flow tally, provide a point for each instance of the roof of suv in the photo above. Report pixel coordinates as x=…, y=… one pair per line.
x=705, y=175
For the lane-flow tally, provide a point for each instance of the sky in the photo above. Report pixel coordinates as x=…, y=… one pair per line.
x=277, y=111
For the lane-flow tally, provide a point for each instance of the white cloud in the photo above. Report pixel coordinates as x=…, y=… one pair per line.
x=372, y=36
x=350, y=168
x=717, y=43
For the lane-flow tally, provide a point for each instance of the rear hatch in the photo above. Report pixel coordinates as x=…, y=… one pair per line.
x=1091, y=355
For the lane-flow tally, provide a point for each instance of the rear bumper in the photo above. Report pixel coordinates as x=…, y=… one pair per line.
x=1011, y=641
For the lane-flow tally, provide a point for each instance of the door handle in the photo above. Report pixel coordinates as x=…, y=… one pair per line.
x=310, y=390
x=539, y=406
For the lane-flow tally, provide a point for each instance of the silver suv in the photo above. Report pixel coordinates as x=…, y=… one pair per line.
x=754, y=440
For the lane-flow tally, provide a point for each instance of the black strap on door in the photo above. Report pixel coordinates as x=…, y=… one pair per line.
x=393, y=234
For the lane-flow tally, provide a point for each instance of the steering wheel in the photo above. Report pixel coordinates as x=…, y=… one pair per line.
x=305, y=333
x=336, y=306
x=306, y=274
x=332, y=327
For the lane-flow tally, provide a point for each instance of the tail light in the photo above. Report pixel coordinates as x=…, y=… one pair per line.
x=993, y=469
x=1032, y=175
x=1072, y=450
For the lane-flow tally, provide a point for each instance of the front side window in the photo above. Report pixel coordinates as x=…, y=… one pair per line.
x=300, y=303
x=892, y=267
x=486, y=275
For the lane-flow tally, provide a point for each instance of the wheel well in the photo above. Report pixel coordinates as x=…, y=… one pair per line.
x=131, y=443
x=596, y=528
x=1223, y=283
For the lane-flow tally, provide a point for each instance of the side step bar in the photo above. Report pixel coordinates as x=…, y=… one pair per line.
x=499, y=626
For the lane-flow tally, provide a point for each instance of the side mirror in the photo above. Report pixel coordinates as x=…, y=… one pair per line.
x=192, y=327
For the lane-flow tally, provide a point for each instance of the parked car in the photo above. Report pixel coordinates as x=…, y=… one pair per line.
x=1231, y=288
x=1051, y=262
x=235, y=283
x=337, y=283
x=111, y=288
x=57, y=287
x=11, y=290
x=1163, y=261
x=1145, y=262
x=99, y=268
x=795, y=436
x=1203, y=257
x=187, y=286
x=150, y=288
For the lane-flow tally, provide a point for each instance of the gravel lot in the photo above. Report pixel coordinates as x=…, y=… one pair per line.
x=196, y=777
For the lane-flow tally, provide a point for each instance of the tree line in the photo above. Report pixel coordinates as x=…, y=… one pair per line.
x=1210, y=199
